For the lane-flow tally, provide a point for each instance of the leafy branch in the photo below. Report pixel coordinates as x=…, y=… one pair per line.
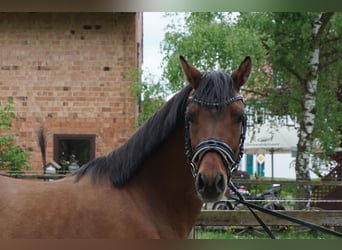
x=12, y=156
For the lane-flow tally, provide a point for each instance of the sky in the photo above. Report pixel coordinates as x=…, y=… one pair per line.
x=153, y=33
x=154, y=25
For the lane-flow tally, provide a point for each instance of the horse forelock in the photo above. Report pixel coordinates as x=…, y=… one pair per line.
x=123, y=163
x=215, y=90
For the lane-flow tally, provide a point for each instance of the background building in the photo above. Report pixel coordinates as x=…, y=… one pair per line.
x=69, y=73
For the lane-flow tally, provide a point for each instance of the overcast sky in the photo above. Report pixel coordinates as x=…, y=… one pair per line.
x=153, y=29
x=154, y=25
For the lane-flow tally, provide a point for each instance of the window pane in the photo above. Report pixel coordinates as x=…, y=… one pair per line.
x=81, y=146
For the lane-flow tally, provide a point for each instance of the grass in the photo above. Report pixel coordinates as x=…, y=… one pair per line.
x=250, y=233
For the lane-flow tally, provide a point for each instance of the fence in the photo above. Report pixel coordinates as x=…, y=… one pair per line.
x=34, y=176
x=325, y=194
x=244, y=219
x=329, y=218
x=316, y=214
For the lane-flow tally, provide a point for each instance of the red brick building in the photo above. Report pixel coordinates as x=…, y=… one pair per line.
x=68, y=71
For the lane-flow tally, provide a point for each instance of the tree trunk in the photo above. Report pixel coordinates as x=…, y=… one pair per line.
x=306, y=124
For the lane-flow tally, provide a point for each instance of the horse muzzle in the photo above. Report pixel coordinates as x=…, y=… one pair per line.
x=210, y=189
x=212, y=164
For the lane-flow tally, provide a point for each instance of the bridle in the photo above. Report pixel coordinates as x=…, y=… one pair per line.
x=195, y=155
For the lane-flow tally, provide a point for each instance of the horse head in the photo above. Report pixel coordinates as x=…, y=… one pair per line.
x=215, y=127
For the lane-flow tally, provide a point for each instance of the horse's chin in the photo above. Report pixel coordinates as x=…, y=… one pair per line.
x=210, y=198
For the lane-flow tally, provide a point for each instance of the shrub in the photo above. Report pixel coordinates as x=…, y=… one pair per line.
x=12, y=157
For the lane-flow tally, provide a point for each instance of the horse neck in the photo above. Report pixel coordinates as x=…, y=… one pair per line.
x=167, y=183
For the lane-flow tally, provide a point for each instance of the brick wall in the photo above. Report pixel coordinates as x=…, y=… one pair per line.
x=68, y=71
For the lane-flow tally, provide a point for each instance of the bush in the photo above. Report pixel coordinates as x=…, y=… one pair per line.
x=12, y=157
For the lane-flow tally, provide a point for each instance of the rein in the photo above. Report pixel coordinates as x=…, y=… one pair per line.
x=251, y=206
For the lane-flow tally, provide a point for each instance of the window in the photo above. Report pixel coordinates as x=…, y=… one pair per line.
x=67, y=146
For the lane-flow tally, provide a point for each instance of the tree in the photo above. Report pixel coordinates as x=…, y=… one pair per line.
x=209, y=41
x=297, y=61
x=12, y=157
x=305, y=67
x=148, y=93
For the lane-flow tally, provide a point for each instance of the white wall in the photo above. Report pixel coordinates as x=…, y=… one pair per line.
x=282, y=166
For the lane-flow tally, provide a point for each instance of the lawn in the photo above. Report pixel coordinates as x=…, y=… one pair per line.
x=251, y=233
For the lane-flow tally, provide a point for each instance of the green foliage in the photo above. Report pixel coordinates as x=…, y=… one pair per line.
x=286, y=40
x=280, y=45
x=209, y=41
x=329, y=110
x=12, y=156
x=148, y=93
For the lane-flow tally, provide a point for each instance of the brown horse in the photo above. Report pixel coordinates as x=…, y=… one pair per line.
x=145, y=188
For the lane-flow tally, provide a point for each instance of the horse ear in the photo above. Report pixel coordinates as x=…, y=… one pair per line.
x=241, y=74
x=192, y=75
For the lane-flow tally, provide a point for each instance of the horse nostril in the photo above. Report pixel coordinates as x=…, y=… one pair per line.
x=200, y=182
x=219, y=183
x=210, y=188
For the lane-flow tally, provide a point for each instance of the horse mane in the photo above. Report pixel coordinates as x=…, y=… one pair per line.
x=120, y=165
x=123, y=163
